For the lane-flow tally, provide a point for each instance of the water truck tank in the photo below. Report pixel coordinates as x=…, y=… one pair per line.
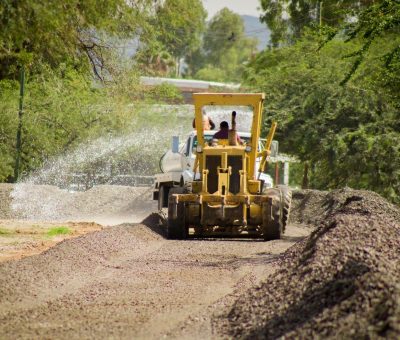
x=171, y=162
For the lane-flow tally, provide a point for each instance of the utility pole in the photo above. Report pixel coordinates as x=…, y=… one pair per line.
x=20, y=113
x=320, y=12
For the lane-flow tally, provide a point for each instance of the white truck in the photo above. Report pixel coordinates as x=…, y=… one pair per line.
x=176, y=165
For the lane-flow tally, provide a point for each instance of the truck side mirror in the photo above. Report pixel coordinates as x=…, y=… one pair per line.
x=175, y=144
x=274, y=148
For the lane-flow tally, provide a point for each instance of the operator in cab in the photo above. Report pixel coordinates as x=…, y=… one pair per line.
x=208, y=124
x=223, y=133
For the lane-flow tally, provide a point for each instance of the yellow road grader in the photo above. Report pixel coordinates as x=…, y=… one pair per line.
x=226, y=196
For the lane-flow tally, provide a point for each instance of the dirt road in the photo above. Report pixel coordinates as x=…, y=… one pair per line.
x=129, y=281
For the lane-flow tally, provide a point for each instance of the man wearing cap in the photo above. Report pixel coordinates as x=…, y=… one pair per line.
x=208, y=124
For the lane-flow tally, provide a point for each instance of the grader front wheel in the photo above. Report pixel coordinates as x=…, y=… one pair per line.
x=272, y=227
x=286, y=196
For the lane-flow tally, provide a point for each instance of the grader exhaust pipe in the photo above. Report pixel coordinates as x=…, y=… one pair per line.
x=267, y=149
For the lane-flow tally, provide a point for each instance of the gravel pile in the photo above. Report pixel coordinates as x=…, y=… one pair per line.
x=5, y=200
x=343, y=281
x=306, y=206
x=48, y=202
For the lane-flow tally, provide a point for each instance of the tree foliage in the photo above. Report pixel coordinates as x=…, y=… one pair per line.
x=181, y=23
x=62, y=45
x=53, y=32
x=224, y=51
x=173, y=32
x=350, y=135
x=287, y=19
x=63, y=109
x=377, y=21
x=332, y=82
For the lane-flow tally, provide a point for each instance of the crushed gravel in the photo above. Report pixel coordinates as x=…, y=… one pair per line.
x=48, y=202
x=5, y=200
x=306, y=206
x=128, y=282
x=343, y=281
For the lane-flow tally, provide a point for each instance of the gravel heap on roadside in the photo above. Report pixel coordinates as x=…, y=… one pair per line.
x=5, y=200
x=48, y=202
x=307, y=206
x=343, y=281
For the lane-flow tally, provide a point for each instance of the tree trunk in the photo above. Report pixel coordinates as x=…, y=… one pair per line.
x=305, y=183
x=19, y=131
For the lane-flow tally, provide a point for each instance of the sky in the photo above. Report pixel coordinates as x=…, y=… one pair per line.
x=238, y=6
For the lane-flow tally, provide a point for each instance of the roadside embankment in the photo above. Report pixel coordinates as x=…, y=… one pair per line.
x=5, y=200
x=34, y=218
x=343, y=281
x=104, y=204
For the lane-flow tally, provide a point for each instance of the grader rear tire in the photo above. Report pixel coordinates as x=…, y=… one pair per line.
x=272, y=221
x=286, y=194
x=176, y=227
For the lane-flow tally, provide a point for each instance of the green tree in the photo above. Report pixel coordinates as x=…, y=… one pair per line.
x=61, y=45
x=350, y=134
x=155, y=60
x=63, y=109
x=225, y=49
x=287, y=19
x=75, y=32
x=181, y=23
x=335, y=90
x=174, y=30
x=8, y=127
x=225, y=30
x=377, y=23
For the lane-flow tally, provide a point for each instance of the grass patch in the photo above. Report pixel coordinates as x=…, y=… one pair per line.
x=4, y=232
x=58, y=231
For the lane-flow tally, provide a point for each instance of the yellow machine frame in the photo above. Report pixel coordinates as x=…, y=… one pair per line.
x=249, y=198
x=255, y=100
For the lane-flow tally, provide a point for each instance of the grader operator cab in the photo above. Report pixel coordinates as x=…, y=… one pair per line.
x=226, y=197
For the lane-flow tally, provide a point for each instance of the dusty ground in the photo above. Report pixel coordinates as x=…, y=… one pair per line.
x=28, y=212
x=20, y=238
x=122, y=281
x=335, y=273
x=129, y=281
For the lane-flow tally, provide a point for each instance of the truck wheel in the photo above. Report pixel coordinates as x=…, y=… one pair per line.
x=272, y=220
x=176, y=227
x=286, y=204
x=163, y=197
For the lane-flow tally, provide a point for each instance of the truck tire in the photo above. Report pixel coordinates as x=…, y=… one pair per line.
x=176, y=227
x=272, y=227
x=163, y=196
x=286, y=194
